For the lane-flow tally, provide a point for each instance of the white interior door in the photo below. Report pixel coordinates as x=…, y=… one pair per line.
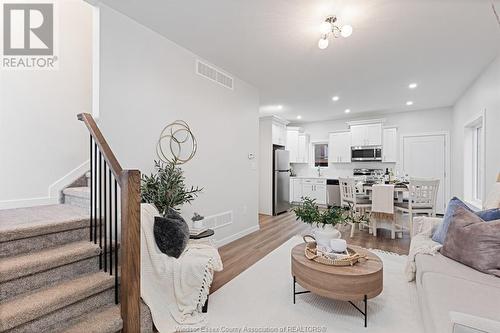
x=425, y=157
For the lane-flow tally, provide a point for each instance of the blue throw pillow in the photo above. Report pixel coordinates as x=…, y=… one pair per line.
x=440, y=233
x=490, y=214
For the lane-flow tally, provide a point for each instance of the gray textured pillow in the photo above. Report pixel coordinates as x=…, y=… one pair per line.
x=473, y=242
x=171, y=234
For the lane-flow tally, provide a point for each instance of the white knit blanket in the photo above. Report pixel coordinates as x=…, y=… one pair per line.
x=421, y=243
x=175, y=289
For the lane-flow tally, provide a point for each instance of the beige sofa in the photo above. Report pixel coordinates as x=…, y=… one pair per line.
x=456, y=298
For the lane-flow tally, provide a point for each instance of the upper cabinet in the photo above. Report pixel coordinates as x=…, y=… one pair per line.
x=279, y=132
x=390, y=145
x=303, y=152
x=366, y=135
x=298, y=145
x=292, y=143
x=339, y=147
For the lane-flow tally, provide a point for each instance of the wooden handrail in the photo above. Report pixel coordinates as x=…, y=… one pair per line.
x=104, y=148
x=130, y=245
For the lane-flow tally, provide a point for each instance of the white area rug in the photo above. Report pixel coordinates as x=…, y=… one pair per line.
x=260, y=300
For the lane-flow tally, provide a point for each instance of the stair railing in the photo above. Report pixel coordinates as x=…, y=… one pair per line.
x=113, y=189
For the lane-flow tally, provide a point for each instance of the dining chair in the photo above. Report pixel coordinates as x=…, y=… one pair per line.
x=382, y=214
x=422, y=197
x=348, y=197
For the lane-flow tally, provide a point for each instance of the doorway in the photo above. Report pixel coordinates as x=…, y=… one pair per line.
x=427, y=156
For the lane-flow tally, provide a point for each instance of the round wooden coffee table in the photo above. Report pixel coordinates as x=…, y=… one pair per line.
x=345, y=283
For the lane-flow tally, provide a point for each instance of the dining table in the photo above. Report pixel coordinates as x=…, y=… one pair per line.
x=399, y=190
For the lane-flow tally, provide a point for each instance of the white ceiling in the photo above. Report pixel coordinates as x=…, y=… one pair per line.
x=441, y=44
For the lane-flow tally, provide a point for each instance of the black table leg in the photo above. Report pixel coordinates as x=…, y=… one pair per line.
x=365, y=301
x=365, y=313
x=297, y=292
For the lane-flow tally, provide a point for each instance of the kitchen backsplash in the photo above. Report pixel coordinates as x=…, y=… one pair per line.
x=337, y=170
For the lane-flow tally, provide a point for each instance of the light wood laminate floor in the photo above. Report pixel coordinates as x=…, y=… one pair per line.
x=239, y=255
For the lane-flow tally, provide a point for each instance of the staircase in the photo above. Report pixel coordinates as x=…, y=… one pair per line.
x=53, y=278
x=49, y=272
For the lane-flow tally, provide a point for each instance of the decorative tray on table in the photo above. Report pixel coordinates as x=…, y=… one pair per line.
x=311, y=251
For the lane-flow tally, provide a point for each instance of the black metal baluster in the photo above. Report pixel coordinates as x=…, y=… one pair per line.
x=95, y=193
x=100, y=209
x=105, y=236
x=91, y=196
x=110, y=226
x=116, y=243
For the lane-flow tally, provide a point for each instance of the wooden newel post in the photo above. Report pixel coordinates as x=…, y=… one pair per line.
x=130, y=288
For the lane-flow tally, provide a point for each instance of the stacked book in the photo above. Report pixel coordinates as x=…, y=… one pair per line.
x=196, y=231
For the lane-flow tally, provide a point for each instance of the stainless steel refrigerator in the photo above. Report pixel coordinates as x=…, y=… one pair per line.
x=281, y=183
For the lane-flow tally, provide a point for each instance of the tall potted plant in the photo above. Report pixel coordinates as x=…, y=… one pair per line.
x=166, y=189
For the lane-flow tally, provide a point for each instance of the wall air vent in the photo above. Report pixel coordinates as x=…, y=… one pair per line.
x=218, y=220
x=213, y=74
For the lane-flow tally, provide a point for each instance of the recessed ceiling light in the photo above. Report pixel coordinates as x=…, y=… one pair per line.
x=347, y=110
x=412, y=85
x=335, y=98
x=409, y=103
x=272, y=108
x=299, y=117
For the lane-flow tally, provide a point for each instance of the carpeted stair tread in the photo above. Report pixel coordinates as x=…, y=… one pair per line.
x=103, y=320
x=79, y=192
x=29, y=306
x=31, y=263
x=20, y=223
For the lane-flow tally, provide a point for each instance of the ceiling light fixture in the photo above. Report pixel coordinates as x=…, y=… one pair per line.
x=409, y=103
x=330, y=28
x=347, y=110
x=335, y=98
x=412, y=85
x=299, y=117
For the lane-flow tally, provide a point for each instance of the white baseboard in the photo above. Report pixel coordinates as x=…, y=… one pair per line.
x=54, y=190
x=229, y=239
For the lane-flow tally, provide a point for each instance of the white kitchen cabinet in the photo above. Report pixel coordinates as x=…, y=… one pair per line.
x=390, y=145
x=315, y=189
x=303, y=148
x=295, y=189
x=339, y=147
x=366, y=135
x=279, y=133
x=292, y=143
x=298, y=145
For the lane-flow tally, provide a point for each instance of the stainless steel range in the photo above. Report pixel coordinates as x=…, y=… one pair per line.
x=369, y=175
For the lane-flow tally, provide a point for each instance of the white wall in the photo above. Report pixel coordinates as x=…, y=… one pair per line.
x=148, y=82
x=266, y=166
x=41, y=140
x=412, y=122
x=482, y=97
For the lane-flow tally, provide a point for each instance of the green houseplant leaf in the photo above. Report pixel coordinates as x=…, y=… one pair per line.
x=166, y=189
x=309, y=212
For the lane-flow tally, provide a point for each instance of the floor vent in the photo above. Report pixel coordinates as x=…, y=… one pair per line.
x=214, y=74
x=219, y=220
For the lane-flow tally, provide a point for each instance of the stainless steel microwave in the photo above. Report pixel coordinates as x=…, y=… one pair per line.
x=366, y=154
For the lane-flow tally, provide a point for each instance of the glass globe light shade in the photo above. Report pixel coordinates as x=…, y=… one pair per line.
x=325, y=28
x=323, y=43
x=346, y=31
